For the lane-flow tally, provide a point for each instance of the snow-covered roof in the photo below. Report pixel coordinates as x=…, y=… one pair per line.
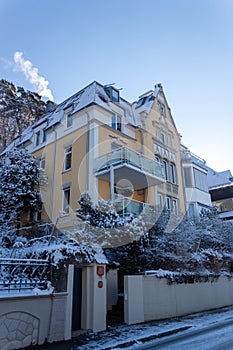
x=145, y=103
x=218, y=179
x=94, y=93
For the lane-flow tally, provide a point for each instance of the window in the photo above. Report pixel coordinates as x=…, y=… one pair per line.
x=69, y=120
x=44, y=137
x=115, y=95
x=160, y=200
x=188, y=177
x=116, y=122
x=41, y=162
x=200, y=179
x=66, y=201
x=161, y=109
x=112, y=93
x=191, y=211
x=174, y=206
x=162, y=138
x=168, y=203
x=68, y=158
x=164, y=166
x=37, y=138
x=158, y=107
x=172, y=173
x=34, y=215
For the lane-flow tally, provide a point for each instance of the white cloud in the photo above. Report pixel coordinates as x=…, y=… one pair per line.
x=32, y=74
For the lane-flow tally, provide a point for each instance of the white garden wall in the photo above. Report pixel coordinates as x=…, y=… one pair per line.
x=26, y=320
x=36, y=319
x=152, y=298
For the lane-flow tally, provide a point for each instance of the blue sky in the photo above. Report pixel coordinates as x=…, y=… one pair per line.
x=187, y=45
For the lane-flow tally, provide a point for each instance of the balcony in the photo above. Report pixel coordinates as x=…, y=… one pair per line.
x=127, y=164
x=190, y=157
x=126, y=205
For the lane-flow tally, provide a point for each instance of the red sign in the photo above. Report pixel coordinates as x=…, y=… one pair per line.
x=100, y=270
x=100, y=284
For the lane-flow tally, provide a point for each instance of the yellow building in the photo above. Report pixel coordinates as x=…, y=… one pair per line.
x=98, y=142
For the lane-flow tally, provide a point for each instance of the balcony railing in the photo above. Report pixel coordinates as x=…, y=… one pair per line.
x=191, y=157
x=123, y=156
x=126, y=205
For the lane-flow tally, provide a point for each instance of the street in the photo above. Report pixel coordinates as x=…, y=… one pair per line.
x=216, y=337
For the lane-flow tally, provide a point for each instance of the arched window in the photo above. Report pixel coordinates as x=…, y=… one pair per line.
x=165, y=169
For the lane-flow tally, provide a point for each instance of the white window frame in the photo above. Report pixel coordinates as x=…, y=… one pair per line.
x=66, y=201
x=69, y=120
x=117, y=122
x=175, y=205
x=68, y=153
x=168, y=203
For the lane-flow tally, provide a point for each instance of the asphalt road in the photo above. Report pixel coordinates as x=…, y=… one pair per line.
x=215, y=337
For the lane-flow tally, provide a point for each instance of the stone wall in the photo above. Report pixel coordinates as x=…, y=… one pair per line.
x=31, y=320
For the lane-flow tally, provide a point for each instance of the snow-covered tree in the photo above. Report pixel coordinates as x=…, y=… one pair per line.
x=198, y=246
x=19, y=181
x=101, y=215
x=18, y=110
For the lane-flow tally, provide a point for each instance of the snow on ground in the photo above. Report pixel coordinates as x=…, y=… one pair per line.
x=116, y=336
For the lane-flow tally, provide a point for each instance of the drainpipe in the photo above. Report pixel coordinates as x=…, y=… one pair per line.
x=111, y=183
x=87, y=152
x=53, y=169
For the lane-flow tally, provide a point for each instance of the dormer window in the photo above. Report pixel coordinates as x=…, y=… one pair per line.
x=115, y=95
x=116, y=122
x=112, y=93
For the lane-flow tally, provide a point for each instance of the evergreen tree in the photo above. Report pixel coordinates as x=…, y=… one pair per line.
x=18, y=110
x=102, y=215
x=19, y=181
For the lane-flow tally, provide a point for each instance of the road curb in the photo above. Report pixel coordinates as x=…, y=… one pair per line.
x=149, y=338
x=174, y=336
